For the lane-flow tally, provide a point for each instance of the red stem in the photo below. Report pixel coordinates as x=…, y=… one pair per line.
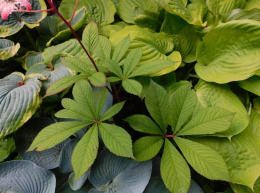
x=169, y=136
x=76, y=5
x=116, y=95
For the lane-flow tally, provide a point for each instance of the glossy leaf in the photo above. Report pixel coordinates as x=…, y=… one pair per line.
x=34, y=178
x=116, y=139
x=203, y=159
x=19, y=99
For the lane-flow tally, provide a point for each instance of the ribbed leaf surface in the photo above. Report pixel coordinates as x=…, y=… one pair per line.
x=8, y=49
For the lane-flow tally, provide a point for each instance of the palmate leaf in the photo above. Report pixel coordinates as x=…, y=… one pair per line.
x=84, y=66
x=174, y=169
x=157, y=102
x=85, y=152
x=56, y=133
x=209, y=120
x=146, y=148
x=8, y=49
x=182, y=105
x=121, y=49
x=112, y=111
x=131, y=61
x=116, y=139
x=203, y=159
x=19, y=99
x=215, y=95
x=114, y=67
x=17, y=20
x=236, y=62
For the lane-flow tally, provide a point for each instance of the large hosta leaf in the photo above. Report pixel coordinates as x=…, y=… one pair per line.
x=48, y=159
x=116, y=174
x=99, y=11
x=17, y=20
x=214, y=95
x=8, y=49
x=251, y=84
x=250, y=4
x=241, y=155
x=232, y=57
x=25, y=176
x=238, y=14
x=19, y=99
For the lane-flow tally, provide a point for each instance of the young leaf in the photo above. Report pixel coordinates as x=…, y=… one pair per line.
x=113, y=79
x=56, y=133
x=203, y=159
x=85, y=152
x=132, y=86
x=131, y=61
x=90, y=37
x=157, y=102
x=209, y=120
x=143, y=124
x=63, y=83
x=121, y=49
x=174, y=169
x=112, y=111
x=98, y=79
x=182, y=105
x=83, y=94
x=146, y=148
x=114, y=67
x=116, y=139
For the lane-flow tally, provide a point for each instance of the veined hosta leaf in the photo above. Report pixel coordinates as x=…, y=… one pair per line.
x=144, y=124
x=99, y=11
x=132, y=86
x=112, y=111
x=156, y=185
x=30, y=58
x=56, y=133
x=238, y=14
x=35, y=178
x=185, y=37
x=8, y=49
x=116, y=139
x=214, y=95
x=19, y=99
x=251, y=4
x=157, y=102
x=252, y=84
x=241, y=155
x=63, y=83
x=124, y=175
x=154, y=45
x=244, y=189
x=210, y=120
x=63, y=31
x=17, y=20
x=85, y=152
x=239, y=61
x=146, y=148
x=129, y=10
x=203, y=159
x=174, y=169
x=77, y=184
x=183, y=102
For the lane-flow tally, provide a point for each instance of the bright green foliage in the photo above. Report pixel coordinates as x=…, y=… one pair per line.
x=8, y=49
x=251, y=84
x=7, y=146
x=98, y=79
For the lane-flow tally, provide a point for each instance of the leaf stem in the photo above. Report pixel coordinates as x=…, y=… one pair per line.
x=76, y=5
x=169, y=136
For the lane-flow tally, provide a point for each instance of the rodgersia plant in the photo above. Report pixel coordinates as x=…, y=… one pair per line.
x=162, y=97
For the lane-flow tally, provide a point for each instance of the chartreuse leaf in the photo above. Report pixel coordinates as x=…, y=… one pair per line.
x=63, y=83
x=116, y=139
x=209, y=120
x=132, y=86
x=112, y=111
x=244, y=189
x=143, y=124
x=157, y=102
x=17, y=20
x=238, y=14
x=182, y=105
x=114, y=67
x=203, y=159
x=56, y=133
x=174, y=169
x=102, y=49
x=35, y=178
x=251, y=4
x=102, y=12
x=146, y=148
x=215, y=95
x=236, y=62
x=90, y=37
x=131, y=61
x=251, y=84
x=103, y=102
x=7, y=146
x=19, y=99
x=241, y=155
x=85, y=152
x=8, y=49
x=121, y=49
x=82, y=65
x=98, y=79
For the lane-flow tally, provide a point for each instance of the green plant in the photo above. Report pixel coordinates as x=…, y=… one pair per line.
x=186, y=71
